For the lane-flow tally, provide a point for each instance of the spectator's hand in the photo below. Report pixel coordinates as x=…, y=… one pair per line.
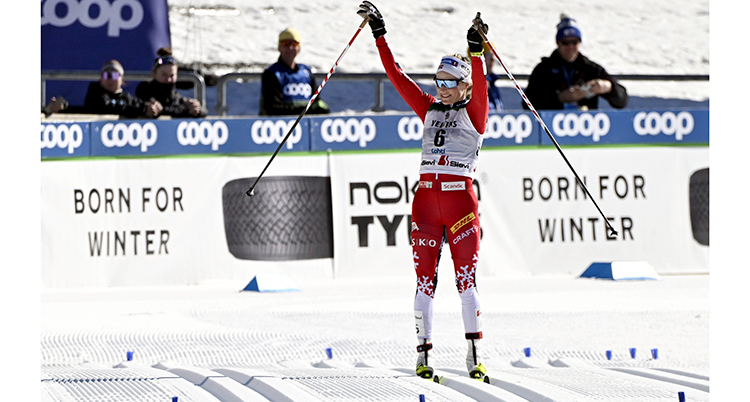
x=377, y=25
x=599, y=86
x=153, y=109
x=195, y=106
x=55, y=105
x=572, y=94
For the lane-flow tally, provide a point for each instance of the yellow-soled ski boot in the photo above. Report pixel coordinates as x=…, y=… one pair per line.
x=474, y=364
x=423, y=368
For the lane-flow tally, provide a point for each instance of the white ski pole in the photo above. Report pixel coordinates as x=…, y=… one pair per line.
x=251, y=191
x=539, y=119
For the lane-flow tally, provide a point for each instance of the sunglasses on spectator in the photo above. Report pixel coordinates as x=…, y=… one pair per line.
x=568, y=42
x=288, y=42
x=163, y=60
x=111, y=75
x=446, y=83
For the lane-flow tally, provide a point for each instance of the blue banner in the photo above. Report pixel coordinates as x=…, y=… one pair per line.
x=65, y=140
x=363, y=132
x=84, y=34
x=196, y=136
x=627, y=127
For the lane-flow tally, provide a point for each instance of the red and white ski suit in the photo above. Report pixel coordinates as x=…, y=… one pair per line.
x=445, y=200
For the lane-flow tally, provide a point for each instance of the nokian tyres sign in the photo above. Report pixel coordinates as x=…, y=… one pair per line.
x=362, y=132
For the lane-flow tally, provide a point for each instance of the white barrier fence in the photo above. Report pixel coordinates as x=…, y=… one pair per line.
x=143, y=222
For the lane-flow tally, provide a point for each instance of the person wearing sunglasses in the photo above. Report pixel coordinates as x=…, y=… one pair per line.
x=106, y=96
x=569, y=80
x=445, y=201
x=287, y=86
x=163, y=89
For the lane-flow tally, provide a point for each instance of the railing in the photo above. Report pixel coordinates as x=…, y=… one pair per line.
x=379, y=78
x=199, y=84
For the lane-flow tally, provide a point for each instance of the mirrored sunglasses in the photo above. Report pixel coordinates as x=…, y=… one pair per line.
x=163, y=60
x=446, y=83
x=111, y=75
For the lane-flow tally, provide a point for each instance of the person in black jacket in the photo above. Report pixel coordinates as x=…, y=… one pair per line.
x=106, y=96
x=163, y=89
x=569, y=80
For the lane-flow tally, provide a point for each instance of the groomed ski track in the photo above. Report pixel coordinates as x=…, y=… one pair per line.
x=213, y=343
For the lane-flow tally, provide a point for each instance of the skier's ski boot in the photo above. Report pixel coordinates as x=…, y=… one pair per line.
x=479, y=372
x=423, y=369
x=474, y=364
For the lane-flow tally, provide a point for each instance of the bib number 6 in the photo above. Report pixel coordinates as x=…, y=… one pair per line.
x=440, y=138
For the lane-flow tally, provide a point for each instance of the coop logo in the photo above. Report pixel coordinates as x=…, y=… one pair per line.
x=265, y=132
x=106, y=13
x=509, y=126
x=352, y=130
x=410, y=128
x=668, y=123
x=62, y=136
x=136, y=135
x=298, y=89
x=585, y=124
x=206, y=133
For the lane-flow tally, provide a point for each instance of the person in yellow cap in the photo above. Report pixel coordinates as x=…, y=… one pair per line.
x=287, y=86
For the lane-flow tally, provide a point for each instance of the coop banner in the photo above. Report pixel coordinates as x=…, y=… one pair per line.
x=196, y=136
x=627, y=127
x=535, y=218
x=83, y=34
x=151, y=222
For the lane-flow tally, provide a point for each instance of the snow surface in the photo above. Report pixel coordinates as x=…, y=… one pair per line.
x=569, y=324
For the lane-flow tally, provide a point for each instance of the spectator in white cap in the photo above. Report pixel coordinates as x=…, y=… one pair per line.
x=287, y=86
x=569, y=80
x=106, y=96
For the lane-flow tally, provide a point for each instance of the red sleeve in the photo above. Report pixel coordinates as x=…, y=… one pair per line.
x=478, y=107
x=418, y=100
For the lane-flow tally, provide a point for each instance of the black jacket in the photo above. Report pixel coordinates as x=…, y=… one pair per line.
x=100, y=101
x=549, y=78
x=173, y=103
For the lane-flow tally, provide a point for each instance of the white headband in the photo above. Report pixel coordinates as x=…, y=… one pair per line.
x=455, y=67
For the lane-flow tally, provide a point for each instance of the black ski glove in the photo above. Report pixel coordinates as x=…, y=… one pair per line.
x=367, y=9
x=476, y=43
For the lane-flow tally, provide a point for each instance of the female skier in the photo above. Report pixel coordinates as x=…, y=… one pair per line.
x=445, y=201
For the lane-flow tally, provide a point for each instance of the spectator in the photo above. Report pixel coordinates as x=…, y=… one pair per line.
x=286, y=86
x=496, y=100
x=106, y=96
x=163, y=89
x=569, y=80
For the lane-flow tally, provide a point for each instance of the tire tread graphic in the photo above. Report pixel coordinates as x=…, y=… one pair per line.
x=288, y=218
